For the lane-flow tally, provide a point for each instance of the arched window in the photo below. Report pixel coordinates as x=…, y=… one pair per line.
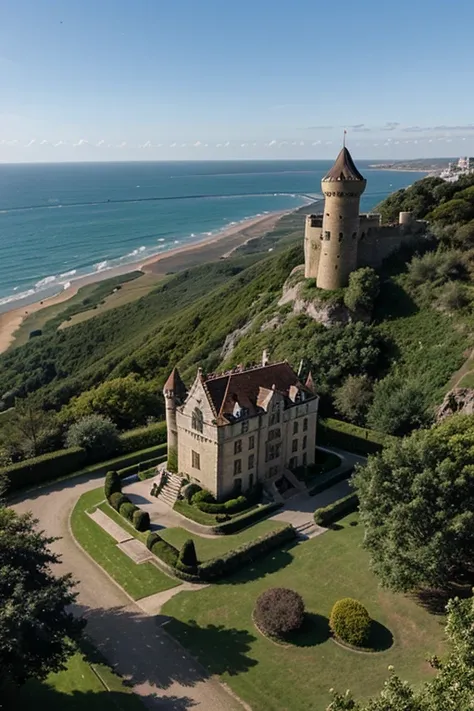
x=197, y=420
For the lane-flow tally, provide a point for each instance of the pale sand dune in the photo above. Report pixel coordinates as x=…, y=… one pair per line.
x=213, y=248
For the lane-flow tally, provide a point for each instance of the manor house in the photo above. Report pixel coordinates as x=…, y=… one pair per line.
x=233, y=429
x=340, y=240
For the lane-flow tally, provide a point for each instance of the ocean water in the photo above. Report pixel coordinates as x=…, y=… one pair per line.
x=62, y=221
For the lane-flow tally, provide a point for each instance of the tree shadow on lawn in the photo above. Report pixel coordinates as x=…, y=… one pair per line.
x=272, y=562
x=231, y=645
x=435, y=599
x=315, y=630
x=380, y=638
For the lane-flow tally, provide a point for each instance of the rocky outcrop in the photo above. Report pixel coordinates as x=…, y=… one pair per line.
x=325, y=311
x=233, y=338
x=458, y=400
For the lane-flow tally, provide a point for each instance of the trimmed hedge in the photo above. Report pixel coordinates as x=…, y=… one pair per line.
x=325, y=481
x=350, y=437
x=127, y=509
x=202, y=495
x=240, y=522
x=112, y=484
x=233, y=560
x=146, y=463
x=44, y=468
x=143, y=437
x=187, y=560
x=141, y=520
x=117, y=500
x=230, y=506
x=162, y=549
x=329, y=514
x=350, y=621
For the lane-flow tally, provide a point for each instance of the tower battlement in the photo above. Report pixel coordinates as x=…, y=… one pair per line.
x=341, y=239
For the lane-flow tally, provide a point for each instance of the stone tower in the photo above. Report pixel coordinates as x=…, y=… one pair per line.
x=342, y=187
x=174, y=392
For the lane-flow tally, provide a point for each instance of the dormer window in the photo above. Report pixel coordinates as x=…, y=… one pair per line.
x=197, y=420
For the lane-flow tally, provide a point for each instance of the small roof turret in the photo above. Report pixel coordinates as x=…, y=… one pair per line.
x=175, y=385
x=343, y=169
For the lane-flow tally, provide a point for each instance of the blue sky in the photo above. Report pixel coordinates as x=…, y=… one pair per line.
x=185, y=79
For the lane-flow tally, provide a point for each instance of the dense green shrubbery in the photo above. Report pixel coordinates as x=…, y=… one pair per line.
x=116, y=500
x=202, y=496
x=350, y=622
x=350, y=437
x=187, y=560
x=279, y=611
x=127, y=510
x=44, y=468
x=96, y=434
x=141, y=520
x=230, y=506
x=246, y=519
x=143, y=437
x=333, y=512
x=162, y=549
x=112, y=484
x=189, y=490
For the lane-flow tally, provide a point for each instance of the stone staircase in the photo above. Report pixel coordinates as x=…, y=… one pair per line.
x=308, y=530
x=170, y=490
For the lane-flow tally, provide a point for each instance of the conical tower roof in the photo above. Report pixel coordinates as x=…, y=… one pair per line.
x=343, y=169
x=310, y=382
x=175, y=384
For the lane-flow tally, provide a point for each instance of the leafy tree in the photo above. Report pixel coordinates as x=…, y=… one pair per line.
x=456, y=210
x=454, y=296
x=417, y=505
x=128, y=402
x=450, y=690
x=353, y=398
x=363, y=289
x=36, y=628
x=95, y=433
x=29, y=431
x=279, y=611
x=397, y=407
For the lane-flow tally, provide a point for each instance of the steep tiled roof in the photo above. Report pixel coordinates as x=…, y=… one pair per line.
x=249, y=387
x=343, y=169
x=175, y=384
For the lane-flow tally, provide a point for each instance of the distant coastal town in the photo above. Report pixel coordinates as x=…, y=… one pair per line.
x=450, y=169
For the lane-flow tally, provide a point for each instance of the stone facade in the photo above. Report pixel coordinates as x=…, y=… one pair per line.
x=244, y=426
x=340, y=239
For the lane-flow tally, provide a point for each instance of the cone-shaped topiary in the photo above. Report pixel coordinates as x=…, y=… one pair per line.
x=141, y=520
x=350, y=621
x=112, y=484
x=187, y=555
x=279, y=611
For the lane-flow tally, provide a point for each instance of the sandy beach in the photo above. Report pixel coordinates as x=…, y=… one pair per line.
x=218, y=246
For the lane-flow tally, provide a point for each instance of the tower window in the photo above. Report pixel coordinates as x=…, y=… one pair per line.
x=327, y=235
x=341, y=236
x=195, y=460
x=354, y=235
x=362, y=235
x=197, y=420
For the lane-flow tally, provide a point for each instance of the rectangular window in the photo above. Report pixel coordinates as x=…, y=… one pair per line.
x=237, y=467
x=294, y=445
x=275, y=418
x=295, y=427
x=195, y=460
x=274, y=434
x=251, y=442
x=251, y=461
x=293, y=462
x=305, y=459
x=237, y=446
x=305, y=442
x=327, y=235
x=245, y=426
x=305, y=424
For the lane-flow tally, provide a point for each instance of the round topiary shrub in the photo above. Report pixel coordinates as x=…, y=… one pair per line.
x=279, y=611
x=189, y=490
x=116, y=500
x=187, y=560
x=112, y=484
x=127, y=510
x=350, y=622
x=141, y=520
x=203, y=496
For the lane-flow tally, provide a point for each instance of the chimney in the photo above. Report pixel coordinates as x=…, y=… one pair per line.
x=300, y=369
x=265, y=358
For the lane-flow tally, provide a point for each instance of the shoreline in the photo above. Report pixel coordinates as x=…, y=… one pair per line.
x=179, y=257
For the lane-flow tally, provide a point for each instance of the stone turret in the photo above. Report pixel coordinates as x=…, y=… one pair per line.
x=174, y=392
x=342, y=187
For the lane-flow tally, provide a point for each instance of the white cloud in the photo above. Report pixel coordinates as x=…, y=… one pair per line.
x=316, y=143
x=30, y=143
x=172, y=145
x=100, y=143
x=122, y=145
x=59, y=143
x=243, y=145
x=183, y=145
x=206, y=145
x=226, y=144
x=197, y=144
x=14, y=142
x=81, y=142
x=147, y=144
x=272, y=143
x=44, y=142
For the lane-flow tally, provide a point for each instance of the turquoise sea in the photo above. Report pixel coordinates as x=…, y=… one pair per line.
x=61, y=221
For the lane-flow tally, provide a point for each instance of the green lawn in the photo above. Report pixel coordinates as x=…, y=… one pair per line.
x=137, y=580
x=215, y=625
x=78, y=688
x=212, y=547
x=467, y=381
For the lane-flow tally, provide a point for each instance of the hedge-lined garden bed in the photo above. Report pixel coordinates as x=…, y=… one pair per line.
x=236, y=522
x=340, y=434
x=149, y=441
x=330, y=514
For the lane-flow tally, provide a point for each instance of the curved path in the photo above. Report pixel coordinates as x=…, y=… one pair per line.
x=134, y=643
